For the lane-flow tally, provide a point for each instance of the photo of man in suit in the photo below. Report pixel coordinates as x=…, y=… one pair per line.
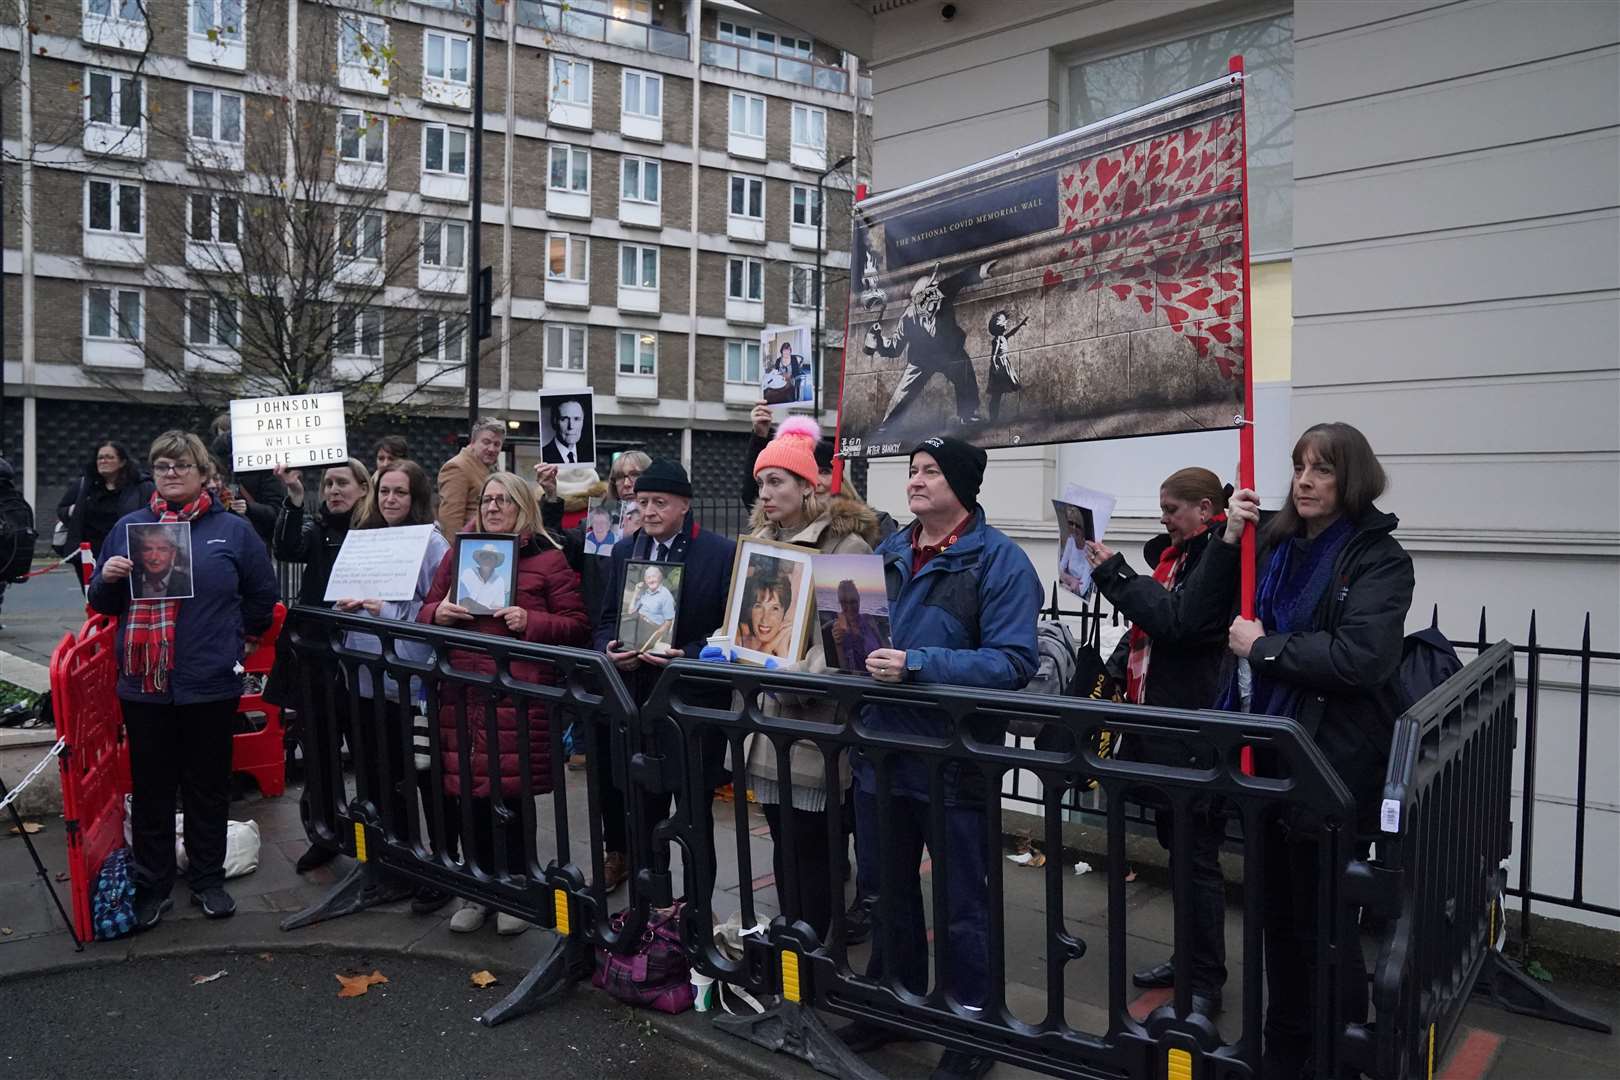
x=567, y=424
x=162, y=555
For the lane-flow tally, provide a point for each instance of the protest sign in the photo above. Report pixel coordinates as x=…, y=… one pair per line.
x=1083, y=516
x=1089, y=286
x=786, y=370
x=379, y=564
x=299, y=432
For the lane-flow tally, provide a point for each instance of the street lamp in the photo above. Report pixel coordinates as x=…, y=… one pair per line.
x=821, y=228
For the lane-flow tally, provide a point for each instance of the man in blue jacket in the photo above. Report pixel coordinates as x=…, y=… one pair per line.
x=668, y=534
x=963, y=604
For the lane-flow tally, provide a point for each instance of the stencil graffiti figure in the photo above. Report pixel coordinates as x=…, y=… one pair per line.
x=932, y=341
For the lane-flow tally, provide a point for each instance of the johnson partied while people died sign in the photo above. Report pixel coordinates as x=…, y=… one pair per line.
x=302, y=431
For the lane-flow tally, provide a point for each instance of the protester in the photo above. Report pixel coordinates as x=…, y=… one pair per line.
x=760, y=421
x=1334, y=589
x=234, y=496
x=399, y=496
x=389, y=449
x=462, y=477
x=179, y=678
x=111, y=486
x=668, y=533
x=547, y=610
x=1166, y=661
x=791, y=510
x=622, y=484
x=313, y=540
x=963, y=604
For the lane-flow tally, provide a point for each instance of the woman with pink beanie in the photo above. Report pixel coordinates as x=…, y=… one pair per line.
x=791, y=511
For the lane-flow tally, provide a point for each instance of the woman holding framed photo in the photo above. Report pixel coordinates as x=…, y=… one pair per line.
x=790, y=511
x=546, y=608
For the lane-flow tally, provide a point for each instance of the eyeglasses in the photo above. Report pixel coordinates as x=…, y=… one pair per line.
x=496, y=501
x=170, y=468
x=628, y=474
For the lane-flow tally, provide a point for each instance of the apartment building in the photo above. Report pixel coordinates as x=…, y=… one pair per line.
x=660, y=179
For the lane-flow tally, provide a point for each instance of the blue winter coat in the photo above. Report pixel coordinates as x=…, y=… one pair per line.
x=235, y=594
x=968, y=619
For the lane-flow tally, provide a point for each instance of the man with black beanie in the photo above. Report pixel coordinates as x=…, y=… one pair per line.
x=963, y=604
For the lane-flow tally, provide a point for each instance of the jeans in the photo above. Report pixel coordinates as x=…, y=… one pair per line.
x=899, y=935
x=185, y=748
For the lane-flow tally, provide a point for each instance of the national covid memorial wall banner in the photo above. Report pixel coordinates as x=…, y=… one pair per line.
x=1086, y=287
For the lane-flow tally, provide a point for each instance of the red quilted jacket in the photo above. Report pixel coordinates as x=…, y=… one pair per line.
x=549, y=591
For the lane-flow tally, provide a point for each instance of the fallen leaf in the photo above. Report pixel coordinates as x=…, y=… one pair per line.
x=482, y=979
x=64, y=876
x=6, y=931
x=357, y=985
x=29, y=827
x=266, y=957
x=198, y=980
x=1130, y=875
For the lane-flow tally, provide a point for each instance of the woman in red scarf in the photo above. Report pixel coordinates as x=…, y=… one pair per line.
x=206, y=591
x=1167, y=663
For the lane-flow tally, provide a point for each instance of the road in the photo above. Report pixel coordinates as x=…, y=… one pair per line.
x=276, y=1015
x=37, y=612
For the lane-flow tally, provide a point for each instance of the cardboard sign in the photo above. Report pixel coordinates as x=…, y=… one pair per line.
x=379, y=564
x=298, y=432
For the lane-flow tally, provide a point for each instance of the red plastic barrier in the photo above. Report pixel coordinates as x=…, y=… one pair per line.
x=95, y=759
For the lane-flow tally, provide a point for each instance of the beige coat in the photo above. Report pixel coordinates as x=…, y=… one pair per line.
x=461, y=481
x=849, y=527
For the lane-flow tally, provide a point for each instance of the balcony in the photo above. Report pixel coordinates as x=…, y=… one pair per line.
x=217, y=50
x=628, y=387
x=441, y=279
x=647, y=215
x=633, y=298
x=114, y=247
x=212, y=257
x=770, y=65
x=114, y=140
x=608, y=29
x=444, y=187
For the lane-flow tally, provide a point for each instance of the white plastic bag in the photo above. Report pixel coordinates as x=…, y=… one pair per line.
x=241, y=842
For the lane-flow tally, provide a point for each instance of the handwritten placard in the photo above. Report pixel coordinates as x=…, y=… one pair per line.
x=379, y=564
x=299, y=432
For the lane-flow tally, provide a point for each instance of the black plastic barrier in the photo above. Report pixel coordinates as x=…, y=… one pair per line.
x=1445, y=837
x=968, y=752
x=380, y=821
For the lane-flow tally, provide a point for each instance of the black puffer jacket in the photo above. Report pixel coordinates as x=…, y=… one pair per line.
x=1344, y=667
x=311, y=539
x=1185, y=665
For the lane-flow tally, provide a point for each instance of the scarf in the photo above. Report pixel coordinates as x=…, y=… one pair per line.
x=149, y=626
x=1296, y=577
x=1136, y=664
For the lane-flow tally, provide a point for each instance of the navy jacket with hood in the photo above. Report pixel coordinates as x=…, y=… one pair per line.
x=236, y=593
x=968, y=618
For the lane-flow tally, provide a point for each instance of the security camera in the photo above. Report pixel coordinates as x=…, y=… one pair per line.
x=947, y=12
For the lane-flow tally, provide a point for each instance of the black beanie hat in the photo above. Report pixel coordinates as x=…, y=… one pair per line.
x=824, y=455
x=664, y=475
x=961, y=462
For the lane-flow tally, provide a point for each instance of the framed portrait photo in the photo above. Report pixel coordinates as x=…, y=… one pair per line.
x=786, y=370
x=649, y=605
x=486, y=571
x=568, y=427
x=771, y=606
x=852, y=609
x=161, y=552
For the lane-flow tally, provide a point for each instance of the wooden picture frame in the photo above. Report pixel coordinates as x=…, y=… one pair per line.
x=790, y=630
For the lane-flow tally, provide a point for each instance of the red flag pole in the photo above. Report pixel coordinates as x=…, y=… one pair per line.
x=843, y=368
x=1246, y=420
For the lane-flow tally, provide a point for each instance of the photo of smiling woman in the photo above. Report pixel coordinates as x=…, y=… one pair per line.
x=767, y=617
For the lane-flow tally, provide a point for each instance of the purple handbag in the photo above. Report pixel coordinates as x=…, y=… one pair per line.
x=656, y=975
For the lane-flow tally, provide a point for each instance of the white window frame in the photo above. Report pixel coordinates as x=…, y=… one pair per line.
x=568, y=275
x=215, y=135
x=810, y=206
x=355, y=70
x=214, y=202
x=644, y=78
x=368, y=132
x=749, y=185
x=567, y=331
x=115, y=319
x=119, y=82
x=638, y=348
x=748, y=100
x=741, y=346
x=122, y=25
x=437, y=228
x=571, y=91
x=123, y=11
x=350, y=341
x=442, y=323
x=808, y=272
x=641, y=164
x=116, y=213
x=214, y=339
x=638, y=252
x=807, y=112
x=747, y=263
x=353, y=222
x=447, y=132
x=571, y=154
x=448, y=42
x=219, y=38
x=218, y=22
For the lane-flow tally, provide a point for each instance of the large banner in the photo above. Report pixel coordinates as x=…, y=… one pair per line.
x=1086, y=287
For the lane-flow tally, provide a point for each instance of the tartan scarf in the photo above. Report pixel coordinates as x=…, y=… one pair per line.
x=1136, y=664
x=149, y=627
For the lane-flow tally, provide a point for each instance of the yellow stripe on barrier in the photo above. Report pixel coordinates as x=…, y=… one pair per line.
x=790, y=975
x=1178, y=1065
x=1431, y=1052
x=559, y=903
x=359, y=841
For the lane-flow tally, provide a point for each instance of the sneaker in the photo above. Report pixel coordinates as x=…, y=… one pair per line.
x=149, y=909
x=615, y=868
x=428, y=900
x=858, y=920
x=955, y=1065
x=509, y=925
x=471, y=917
x=215, y=902
x=317, y=856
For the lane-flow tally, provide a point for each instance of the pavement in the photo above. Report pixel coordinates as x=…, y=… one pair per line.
x=36, y=953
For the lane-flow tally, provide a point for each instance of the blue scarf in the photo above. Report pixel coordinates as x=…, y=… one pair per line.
x=1297, y=576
